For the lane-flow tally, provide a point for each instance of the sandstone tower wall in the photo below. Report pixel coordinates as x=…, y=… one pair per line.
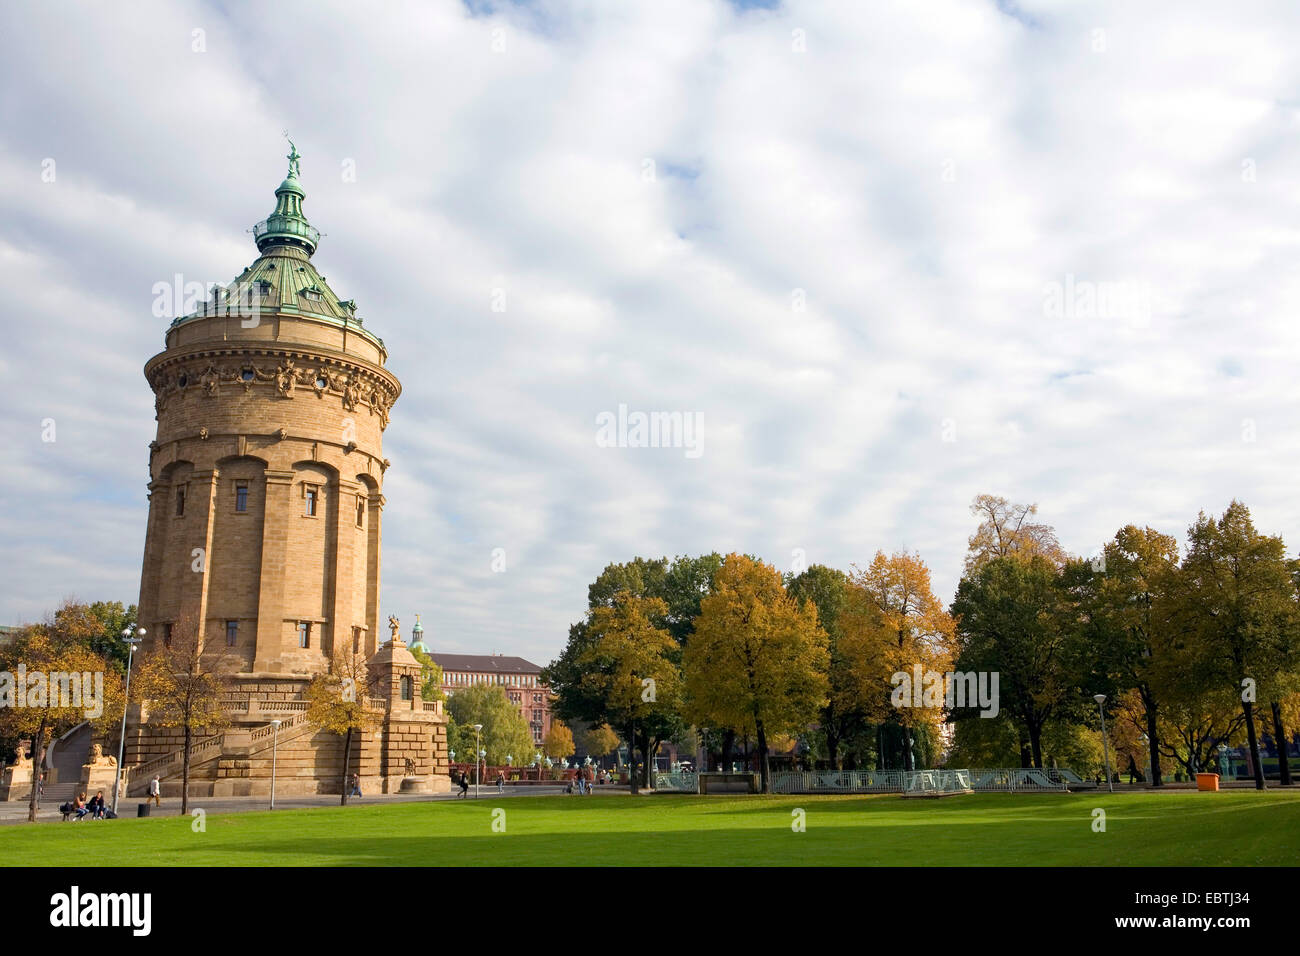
x=265, y=523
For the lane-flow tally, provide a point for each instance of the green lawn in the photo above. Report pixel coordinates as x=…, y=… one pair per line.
x=1236, y=828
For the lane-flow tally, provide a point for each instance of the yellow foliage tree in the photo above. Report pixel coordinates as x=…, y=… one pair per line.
x=892, y=625
x=60, y=671
x=558, y=742
x=757, y=661
x=630, y=666
x=336, y=702
x=600, y=740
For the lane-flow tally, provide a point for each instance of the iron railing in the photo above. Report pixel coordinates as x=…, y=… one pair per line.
x=1008, y=780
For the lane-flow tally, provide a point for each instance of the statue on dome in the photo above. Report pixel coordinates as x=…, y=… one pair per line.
x=293, y=157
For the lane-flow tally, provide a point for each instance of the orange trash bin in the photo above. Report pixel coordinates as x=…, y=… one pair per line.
x=1207, y=781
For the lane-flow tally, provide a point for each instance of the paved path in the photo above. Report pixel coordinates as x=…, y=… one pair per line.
x=16, y=812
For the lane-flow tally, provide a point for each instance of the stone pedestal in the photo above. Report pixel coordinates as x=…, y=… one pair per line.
x=16, y=784
x=99, y=777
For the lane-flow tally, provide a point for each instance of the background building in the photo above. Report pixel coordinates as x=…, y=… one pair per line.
x=520, y=679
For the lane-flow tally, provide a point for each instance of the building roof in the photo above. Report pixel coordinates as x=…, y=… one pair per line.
x=283, y=278
x=485, y=664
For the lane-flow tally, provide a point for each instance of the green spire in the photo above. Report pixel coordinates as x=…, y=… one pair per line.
x=287, y=225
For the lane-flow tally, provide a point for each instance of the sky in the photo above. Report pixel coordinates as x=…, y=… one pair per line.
x=885, y=256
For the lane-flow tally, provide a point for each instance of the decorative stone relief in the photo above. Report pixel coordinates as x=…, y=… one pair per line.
x=286, y=376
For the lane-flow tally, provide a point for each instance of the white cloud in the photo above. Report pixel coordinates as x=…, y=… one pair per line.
x=921, y=173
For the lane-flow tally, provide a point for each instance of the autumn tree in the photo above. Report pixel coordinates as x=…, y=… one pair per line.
x=631, y=668
x=894, y=624
x=599, y=740
x=65, y=683
x=183, y=687
x=558, y=742
x=1005, y=530
x=757, y=660
x=336, y=702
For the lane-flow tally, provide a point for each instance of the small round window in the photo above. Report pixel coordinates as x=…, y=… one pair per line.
x=320, y=381
x=183, y=380
x=246, y=375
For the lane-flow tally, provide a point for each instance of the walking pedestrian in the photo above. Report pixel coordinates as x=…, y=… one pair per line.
x=155, y=791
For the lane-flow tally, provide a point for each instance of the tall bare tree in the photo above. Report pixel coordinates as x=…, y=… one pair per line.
x=183, y=687
x=1006, y=531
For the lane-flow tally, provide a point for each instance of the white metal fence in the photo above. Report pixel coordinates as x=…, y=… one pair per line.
x=1007, y=780
x=1019, y=780
x=677, y=782
x=1001, y=780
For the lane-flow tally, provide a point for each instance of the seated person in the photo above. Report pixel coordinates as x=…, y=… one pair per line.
x=96, y=806
x=79, y=806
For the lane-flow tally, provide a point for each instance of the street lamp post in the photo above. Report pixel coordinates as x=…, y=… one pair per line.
x=275, y=740
x=131, y=642
x=478, y=755
x=1105, y=744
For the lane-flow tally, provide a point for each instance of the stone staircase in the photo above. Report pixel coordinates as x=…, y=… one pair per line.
x=66, y=756
x=237, y=744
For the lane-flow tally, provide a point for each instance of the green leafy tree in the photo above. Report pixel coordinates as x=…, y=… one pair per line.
x=505, y=732
x=679, y=584
x=430, y=676
x=1127, y=602
x=842, y=717
x=1241, y=609
x=1014, y=618
x=102, y=623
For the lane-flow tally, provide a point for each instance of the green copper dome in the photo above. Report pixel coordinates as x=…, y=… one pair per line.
x=287, y=226
x=417, y=636
x=283, y=279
